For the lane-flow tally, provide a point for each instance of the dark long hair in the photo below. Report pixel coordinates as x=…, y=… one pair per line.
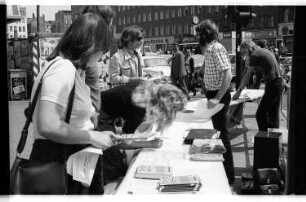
x=88, y=34
x=208, y=32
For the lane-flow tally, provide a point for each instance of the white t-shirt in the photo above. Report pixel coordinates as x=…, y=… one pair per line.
x=57, y=84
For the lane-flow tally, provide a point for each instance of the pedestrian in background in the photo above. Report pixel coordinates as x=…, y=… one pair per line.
x=178, y=70
x=262, y=59
x=217, y=79
x=52, y=136
x=126, y=65
x=191, y=80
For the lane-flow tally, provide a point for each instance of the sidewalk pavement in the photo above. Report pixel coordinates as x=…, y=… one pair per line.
x=242, y=144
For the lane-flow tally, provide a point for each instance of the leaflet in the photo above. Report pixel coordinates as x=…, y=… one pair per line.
x=81, y=165
x=203, y=112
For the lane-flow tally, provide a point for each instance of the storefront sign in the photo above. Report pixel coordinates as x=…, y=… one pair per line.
x=264, y=34
x=285, y=29
x=158, y=40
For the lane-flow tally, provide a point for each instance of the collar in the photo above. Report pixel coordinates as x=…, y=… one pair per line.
x=127, y=54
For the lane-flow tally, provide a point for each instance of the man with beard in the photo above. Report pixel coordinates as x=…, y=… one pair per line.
x=217, y=79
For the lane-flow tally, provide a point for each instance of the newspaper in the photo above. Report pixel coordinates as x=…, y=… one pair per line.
x=81, y=165
x=203, y=112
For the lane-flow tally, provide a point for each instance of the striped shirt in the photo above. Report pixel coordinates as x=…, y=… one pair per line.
x=216, y=60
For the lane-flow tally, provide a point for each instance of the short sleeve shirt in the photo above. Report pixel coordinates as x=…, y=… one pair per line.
x=216, y=60
x=57, y=84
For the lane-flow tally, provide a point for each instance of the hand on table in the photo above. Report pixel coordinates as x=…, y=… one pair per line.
x=212, y=103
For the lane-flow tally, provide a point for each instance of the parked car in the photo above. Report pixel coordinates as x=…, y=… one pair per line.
x=155, y=66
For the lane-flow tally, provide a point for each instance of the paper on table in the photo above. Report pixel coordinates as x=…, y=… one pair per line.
x=81, y=165
x=203, y=112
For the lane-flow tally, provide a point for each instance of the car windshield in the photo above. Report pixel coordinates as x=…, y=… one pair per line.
x=151, y=62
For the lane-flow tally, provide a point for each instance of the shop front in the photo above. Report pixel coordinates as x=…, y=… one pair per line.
x=269, y=35
x=285, y=32
x=158, y=43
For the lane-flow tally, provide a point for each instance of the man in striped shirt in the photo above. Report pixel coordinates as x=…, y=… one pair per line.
x=217, y=78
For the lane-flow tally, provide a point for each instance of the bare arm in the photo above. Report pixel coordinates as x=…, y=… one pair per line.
x=244, y=82
x=51, y=126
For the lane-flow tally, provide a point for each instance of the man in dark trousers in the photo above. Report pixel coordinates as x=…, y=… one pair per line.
x=178, y=70
x=217, y=79
x=261, y=59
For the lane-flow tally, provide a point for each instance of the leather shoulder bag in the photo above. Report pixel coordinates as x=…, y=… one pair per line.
x=29, y=176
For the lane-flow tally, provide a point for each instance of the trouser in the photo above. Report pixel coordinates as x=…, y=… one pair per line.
x=181, y=84
x=219, y=121
x=267, y=115
x=49, y=151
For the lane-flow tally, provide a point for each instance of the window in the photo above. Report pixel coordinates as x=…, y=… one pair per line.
x=192, y=10
x=128, y=21
x=123, y=8
x=208, y=9
x=179, y=29
x=162, y=31
x=144, y=17
x=161, y=15
x=119, y=8
x=173, y=29
x=139, y=18
x=156, y=31
x=167, y=14
x=167, y=30
x=272, y=21
x=262, y=21
x=286, y=15
x=149, y=16
x=199, y=10
x=186, y=11
x=216, y=9
x=123, y=21
x=119, y=21
x=23, y=28
x=156, y=15
x=186, y=28
x=134, y=19
x=179, y=12
x=11, y=28
x=19, y=29
x=173, y=13
x=150, y=31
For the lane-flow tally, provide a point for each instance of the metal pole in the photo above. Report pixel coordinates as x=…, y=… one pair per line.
x=37, y=36
x=238, y=53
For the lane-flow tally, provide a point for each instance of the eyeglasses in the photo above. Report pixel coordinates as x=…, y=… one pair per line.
x=139, y=38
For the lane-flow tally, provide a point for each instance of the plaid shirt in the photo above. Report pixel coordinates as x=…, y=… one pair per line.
x=216, y=60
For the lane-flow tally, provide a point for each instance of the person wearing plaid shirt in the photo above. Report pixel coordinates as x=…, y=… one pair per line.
x=217, y=78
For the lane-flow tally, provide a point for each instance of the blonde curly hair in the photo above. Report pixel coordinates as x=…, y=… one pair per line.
x=162, y=101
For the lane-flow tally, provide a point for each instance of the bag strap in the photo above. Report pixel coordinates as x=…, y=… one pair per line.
x=24, y=133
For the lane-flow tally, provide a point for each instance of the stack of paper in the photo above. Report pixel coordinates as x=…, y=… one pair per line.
x=179, y=184
x=81, y=165
x=153, y=171
x=207, y=150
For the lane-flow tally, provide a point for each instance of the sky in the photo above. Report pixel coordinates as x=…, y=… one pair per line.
x=48, y=10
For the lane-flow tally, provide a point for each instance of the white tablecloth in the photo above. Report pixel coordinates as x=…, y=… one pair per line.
x=174, y=153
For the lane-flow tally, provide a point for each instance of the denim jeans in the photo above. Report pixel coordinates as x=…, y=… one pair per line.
x=267, y=115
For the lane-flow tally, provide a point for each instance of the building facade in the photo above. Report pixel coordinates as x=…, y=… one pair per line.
x=32, y=25
x=62, y=21
x=18, y=29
